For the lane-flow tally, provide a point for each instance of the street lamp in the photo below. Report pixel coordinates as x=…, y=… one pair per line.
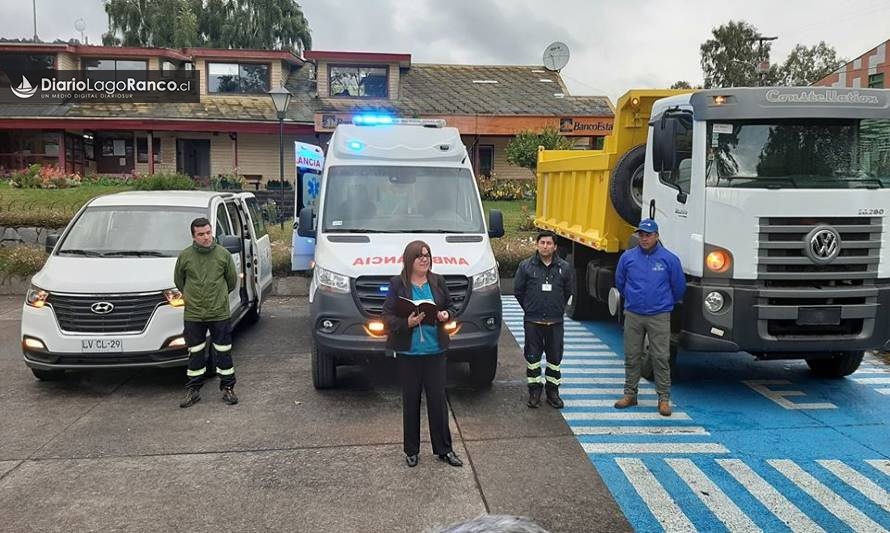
x=280, y=99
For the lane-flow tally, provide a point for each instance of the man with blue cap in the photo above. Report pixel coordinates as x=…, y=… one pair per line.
x=652, y=282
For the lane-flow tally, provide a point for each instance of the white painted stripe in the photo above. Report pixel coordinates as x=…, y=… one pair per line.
x=592, y=353
x=624, y=415
x=873, y=381
x=711, y=495
x=653, y=447
x=578, y=345
x=606, y=403
x=593, y=348
x=852, y=516
x=884, y=391
x=656, y=498
x=639, y=430
x=851, y=477
x=594, y=381
x=770, y=498
x=577, y=391
x=883, y=465
x=583, y=363
x=581, y=370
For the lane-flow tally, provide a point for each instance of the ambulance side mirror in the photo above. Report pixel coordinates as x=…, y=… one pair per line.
x=495, y=224
x=306, y=227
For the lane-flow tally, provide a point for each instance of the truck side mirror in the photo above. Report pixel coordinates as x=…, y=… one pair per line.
x=306, y=226
x=232, y=243
x=51, y=241
x=495, y=224
x=663, y=144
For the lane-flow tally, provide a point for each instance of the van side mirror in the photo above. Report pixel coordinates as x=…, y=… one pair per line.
x=51, y=241
x=232, y=243
x=306, y=226
x=495, y=224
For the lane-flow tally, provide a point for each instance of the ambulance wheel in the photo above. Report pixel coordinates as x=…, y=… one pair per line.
x=324, y=369
x=648, y=372
x=838, y=366
x=48, y=375
x=626, y=185
x=483, y=367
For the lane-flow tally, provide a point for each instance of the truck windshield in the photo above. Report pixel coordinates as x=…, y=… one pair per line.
x=131, y=231
x=799, y=153
x=384, y=199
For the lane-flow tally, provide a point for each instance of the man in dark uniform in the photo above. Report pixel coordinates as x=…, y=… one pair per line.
x=542, y=286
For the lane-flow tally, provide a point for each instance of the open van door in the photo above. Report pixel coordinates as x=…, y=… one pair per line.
x=262, y=264
x=309, y=161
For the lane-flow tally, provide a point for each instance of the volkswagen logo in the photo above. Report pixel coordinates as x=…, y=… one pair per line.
x=823, y=244
x=102, y=308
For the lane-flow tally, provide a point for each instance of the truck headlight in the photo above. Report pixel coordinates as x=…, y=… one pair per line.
x=36, y=297
x=485, y=279
x=174, y=297
x=331, y=280
x=714, y=301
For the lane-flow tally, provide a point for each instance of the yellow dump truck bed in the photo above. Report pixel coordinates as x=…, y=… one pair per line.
x=573, y=185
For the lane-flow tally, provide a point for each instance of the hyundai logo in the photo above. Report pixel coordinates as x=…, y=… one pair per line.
x=102, y=308
x=823, y=245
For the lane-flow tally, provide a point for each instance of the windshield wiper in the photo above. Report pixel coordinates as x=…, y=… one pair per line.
x=432, y=231
x=136, y=253
x=74, y=251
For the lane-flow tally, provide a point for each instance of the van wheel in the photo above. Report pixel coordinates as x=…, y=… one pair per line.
x=483, y=367
x=253, y=315
x=648, y=371
x=838, y=366
x=324, y=369
x=626, y=185
x=48, y=375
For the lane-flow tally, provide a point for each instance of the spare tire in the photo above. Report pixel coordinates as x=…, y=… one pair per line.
x=626, y=185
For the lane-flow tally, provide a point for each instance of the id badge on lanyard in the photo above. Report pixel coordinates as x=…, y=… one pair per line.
x=546, y=287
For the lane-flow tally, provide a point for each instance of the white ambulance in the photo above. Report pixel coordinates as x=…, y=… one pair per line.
x=105, y=297
x=387, y=182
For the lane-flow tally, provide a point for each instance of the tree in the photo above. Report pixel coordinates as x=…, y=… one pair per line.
x=523, y=149
x=730, y=57
x=808, y=65
x=682, y=84
x=256, y=24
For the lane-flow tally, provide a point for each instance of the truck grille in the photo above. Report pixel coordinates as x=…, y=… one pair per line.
x=370, y=292
x=797, y=281
x=130, y=314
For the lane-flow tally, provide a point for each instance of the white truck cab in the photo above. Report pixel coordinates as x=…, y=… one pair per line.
x=387, y=182
x=105, y=297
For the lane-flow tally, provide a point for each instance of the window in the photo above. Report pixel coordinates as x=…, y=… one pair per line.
x=142, y=149
x=243, y=78
x=223, y=227
x=876, y=81
x=672, y=149
x=486, y=159
x=138, y=68
x=259, y=227
x=22, y=63
x=359, y=82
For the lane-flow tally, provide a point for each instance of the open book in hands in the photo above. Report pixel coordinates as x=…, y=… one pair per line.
x=404, y=307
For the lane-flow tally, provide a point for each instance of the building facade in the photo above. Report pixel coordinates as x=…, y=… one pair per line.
x=870, y=70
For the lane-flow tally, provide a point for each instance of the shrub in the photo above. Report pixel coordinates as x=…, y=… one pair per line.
x=495, y=189
x=40, y=218
x=224, y=182
x=106, y=181
x=509, y=252
x=523, y=149
x=276, y=185
x=22, y=261
x=164, y=181
x=43, y=177
x=526, y=220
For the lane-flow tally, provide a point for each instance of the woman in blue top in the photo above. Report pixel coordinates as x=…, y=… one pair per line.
x=419, y=342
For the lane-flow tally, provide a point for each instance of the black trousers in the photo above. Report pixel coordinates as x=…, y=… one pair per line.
x=420, y=373
x=195, y=334
x=543, y=339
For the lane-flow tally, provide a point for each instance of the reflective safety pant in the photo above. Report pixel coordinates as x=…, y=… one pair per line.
x=220, y=341
x=543, y=339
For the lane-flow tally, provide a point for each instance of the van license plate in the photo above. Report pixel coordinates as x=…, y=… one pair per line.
x=101, y=345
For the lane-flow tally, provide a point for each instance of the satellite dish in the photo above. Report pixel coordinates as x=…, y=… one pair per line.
x=556, y=56
x=80, y=25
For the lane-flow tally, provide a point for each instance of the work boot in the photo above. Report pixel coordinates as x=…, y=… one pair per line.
x=553, y=398
x=192, y=396
x=534, y=397
x=229, y=396
x=664, y=407
x=628, y=400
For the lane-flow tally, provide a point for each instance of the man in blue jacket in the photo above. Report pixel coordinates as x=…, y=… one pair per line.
x=652, y=282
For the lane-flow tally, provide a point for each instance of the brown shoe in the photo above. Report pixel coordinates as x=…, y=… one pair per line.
x=628, y=400
x=664, y=407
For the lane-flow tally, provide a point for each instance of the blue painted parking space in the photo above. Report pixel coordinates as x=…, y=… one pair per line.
x=751, y=446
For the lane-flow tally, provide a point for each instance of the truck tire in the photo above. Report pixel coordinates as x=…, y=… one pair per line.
x=580, y=306
x=48, y=375
x=838, y=366
x=648, y=372
x=626, y=185
x=324, y=369
x=483, y=367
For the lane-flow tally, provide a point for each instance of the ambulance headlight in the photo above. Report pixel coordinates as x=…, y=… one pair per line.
x=331, y=280
x=485, y=279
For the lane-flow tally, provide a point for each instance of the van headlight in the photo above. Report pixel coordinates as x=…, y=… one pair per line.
x=331, y=280
x=36, y=297
x=485, y=279
x=174, y=297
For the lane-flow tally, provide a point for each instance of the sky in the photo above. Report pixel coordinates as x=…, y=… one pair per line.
x=615, y=45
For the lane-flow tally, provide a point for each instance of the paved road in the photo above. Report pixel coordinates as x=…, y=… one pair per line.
x=751, y=446
x=112, y=450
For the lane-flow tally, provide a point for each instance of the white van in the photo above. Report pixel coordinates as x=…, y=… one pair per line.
x=387, y=182
x=105, y=297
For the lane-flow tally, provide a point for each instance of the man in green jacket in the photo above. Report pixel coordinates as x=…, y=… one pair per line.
x=205, y=274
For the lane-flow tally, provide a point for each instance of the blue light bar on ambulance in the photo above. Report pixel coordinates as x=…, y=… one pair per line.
x=371, y=120
x=386, y=120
